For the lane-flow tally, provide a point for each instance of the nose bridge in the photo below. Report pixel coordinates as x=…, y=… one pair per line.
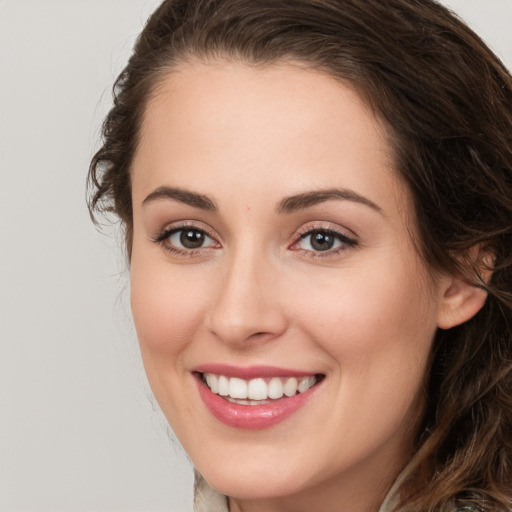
x=246, y=306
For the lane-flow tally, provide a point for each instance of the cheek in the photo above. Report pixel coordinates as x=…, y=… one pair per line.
x=166, y=308
x=377, y=327
x=371, y=308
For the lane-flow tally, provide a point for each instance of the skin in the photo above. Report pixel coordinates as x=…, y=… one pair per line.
x=256, y=293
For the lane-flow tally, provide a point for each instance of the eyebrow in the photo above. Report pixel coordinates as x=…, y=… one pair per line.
x=308, y=199
x=184, y=196
x=286, y=205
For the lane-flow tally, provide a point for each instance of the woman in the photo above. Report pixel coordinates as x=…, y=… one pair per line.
x=317, y=203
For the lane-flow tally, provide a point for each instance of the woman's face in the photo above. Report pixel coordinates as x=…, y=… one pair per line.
x=272, y=256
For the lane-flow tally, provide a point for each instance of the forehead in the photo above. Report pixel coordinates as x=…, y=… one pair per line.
x=283, y=124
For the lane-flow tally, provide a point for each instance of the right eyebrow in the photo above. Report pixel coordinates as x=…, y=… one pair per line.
x=308, y=199
x=184, y=196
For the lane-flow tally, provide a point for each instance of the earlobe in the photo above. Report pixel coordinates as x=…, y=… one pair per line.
x=460, y=302
x=460, y=299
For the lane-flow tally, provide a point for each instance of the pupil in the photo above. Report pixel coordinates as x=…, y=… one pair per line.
x=321, y=241
x=191, y=239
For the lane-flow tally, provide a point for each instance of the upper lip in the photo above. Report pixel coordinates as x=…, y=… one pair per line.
x=250, y=372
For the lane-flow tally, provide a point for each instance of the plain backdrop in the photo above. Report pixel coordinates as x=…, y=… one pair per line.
x=79, y=430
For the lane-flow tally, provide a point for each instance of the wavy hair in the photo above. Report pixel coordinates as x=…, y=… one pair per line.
x=447, y=102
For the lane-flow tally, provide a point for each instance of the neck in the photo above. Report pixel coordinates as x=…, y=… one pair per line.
x=353, y=493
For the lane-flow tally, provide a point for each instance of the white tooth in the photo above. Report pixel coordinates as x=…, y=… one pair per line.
x=237, y=388
x=257, y=389
x=290, y=387
x=306, y=383
x=246, y=402
x=213, y=382
x=223, y=386
x=275, y=388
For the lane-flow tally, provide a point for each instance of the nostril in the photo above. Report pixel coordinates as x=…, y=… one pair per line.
x=260, y=335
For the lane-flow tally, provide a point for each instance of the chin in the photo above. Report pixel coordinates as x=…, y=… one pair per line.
x=253, y=485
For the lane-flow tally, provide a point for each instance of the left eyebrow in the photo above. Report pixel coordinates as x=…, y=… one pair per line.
x=184, y=196
x=308, y=199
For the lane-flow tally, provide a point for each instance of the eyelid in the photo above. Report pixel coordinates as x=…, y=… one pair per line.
x=331, y=227
x=347, y=237
x=326, y=226
x=185, y=224
x=163, y=235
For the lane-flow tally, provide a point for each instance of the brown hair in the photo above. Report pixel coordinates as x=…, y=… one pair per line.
x=447, y=102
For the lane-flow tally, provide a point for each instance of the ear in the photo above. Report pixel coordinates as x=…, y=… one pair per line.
x=459, y=299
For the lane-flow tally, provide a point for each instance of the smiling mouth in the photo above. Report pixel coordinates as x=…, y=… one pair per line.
x=258, y=391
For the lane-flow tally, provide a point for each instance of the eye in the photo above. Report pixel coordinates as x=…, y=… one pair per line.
x=190, y=238
x=185, y=240
x=319, y=241
x=322, y=240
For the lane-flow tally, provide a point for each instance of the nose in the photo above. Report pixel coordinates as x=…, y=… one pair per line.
x=246, y=309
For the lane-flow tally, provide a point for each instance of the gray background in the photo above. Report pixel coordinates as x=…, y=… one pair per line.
x=78, y=427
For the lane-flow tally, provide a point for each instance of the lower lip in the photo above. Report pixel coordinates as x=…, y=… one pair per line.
x=252, y=417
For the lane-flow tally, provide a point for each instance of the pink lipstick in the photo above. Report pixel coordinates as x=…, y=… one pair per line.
x=254, y=397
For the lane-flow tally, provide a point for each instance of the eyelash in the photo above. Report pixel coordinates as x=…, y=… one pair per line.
x=345, y=242
x=163, y=240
